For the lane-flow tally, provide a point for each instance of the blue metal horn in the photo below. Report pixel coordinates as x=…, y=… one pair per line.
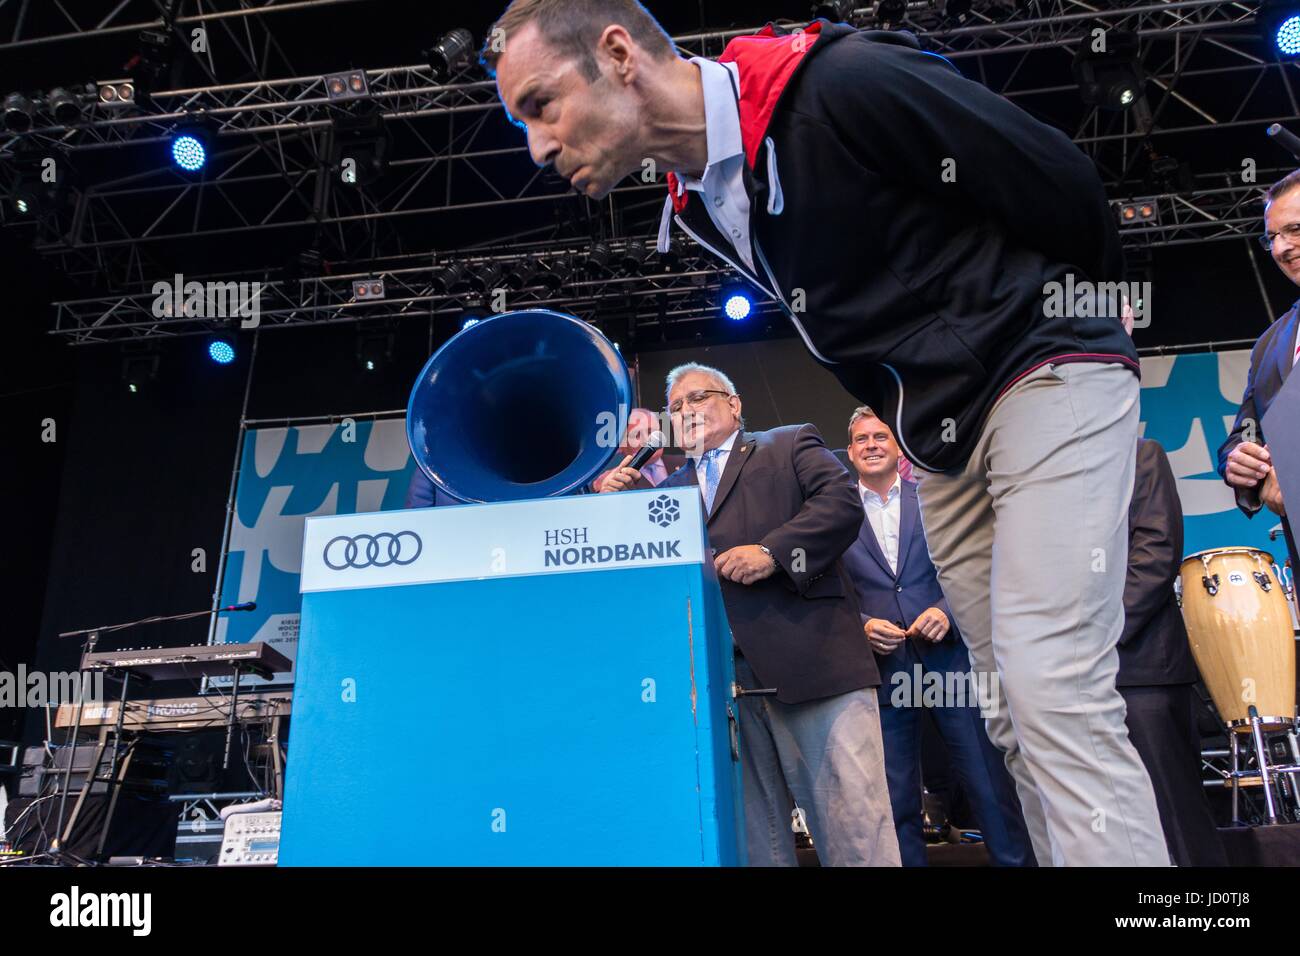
x=513, y=407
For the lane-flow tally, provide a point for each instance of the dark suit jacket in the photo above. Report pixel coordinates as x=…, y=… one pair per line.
x=799, y=629
x=898, y=597
x=1270, y=366
x=1153, y=647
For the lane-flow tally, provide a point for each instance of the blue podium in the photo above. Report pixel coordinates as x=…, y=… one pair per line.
x=543, y=682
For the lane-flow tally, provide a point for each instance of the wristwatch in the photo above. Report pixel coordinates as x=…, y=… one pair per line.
x=768, y=551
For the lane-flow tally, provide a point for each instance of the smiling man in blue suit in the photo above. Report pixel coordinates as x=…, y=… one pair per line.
x=909, y=626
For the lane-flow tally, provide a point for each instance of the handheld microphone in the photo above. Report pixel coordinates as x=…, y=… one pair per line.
x=647, y=451
x=246, y=606
x=1285, y=138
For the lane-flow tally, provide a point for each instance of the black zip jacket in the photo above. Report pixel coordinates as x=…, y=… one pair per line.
x=925, y=297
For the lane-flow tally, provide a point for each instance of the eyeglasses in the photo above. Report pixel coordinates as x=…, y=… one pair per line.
x=695, y=399
x=1291, y=231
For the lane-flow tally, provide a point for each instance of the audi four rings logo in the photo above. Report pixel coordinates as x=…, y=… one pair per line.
x=373, y=550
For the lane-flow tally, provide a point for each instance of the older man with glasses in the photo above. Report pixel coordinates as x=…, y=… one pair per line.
x=781, y=512
x=1244, y=459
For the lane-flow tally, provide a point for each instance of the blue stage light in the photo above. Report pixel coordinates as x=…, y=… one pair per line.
x=737, y=306
x=1288, y=36
x=221, y=352
x=188, y=152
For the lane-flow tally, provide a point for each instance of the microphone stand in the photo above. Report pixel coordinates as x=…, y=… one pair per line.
x=91, y=635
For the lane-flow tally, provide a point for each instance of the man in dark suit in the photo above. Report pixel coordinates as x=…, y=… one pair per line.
x=1244, y=460
x=780, y=513
x=641, y=424
x=1156, y=668
x=918, y=649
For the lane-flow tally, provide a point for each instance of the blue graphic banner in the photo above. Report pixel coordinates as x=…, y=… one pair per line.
x=285, y=476
x=1189, y=403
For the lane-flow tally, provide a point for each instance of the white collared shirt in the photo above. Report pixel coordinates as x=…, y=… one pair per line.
x=720, y=462
x=722, y=186
x=884, y=514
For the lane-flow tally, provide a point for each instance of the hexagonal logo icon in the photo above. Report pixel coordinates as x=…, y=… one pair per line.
x=664, y=511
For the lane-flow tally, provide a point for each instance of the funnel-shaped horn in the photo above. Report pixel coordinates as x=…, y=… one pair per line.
x=518, y=405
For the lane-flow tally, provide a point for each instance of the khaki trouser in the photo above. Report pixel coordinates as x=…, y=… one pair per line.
x=1031, y=543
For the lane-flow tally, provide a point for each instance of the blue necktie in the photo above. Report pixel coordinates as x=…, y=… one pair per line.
x=710, y=461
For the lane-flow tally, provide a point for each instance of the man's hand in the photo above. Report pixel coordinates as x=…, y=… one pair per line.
x=1248, y=463
x=745, y=564
x=931, y=624
x=883, y=636
x=1270, y=493
x=621, y=478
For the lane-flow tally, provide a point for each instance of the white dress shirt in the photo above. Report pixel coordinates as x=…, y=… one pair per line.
x=723, y=185
x=884, y=514
x=719, y=462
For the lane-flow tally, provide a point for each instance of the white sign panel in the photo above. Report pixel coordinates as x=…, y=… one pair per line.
x=508, y=539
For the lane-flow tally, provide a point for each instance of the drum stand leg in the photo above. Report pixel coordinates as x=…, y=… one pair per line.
x=1236, y=780
x=1261, y=761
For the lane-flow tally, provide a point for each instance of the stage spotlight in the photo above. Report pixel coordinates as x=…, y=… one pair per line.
x=488, y=278
x=18, y=113
x=452, y=53
x=147, y=67
x=363, y=289
x=64, y=105
x=191, y=142
x=520, y=273
x=1138, y=212
x=374, y=349
x=221, y=351
x=556, y=272
x=1111, y=79
x=634, y=257
x=139, y=371
x=360, y=150
x=890, y=13
x=597, y=260
x=1279, y=27
x=189, y=153
x=836, y=11
x=448, y=278
x=736, y=303
x=347, y=86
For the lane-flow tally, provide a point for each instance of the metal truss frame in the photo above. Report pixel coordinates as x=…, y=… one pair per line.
x=275, y=135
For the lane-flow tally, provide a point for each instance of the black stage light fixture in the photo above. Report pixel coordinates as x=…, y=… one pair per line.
x=633, y=257
x=672, y=258
x=555, y=272
x=64, y=105
x=836, y=11
x=890, y=13
x=597, y=259
x=520, y=273
x=488, y=278
x=956, y=11
x=139, y=371
x=19, y=111
x=453, y=53
x=351, y=85
x=449, y=277
x=1112, y=78
x=360, y=151
x=146, y=68
x=375, y=349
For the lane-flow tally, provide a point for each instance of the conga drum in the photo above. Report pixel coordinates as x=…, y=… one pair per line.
x=1239, y=625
